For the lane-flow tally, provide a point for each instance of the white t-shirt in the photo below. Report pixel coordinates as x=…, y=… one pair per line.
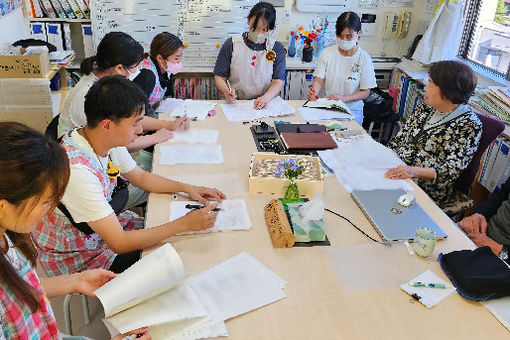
x=84, y=195
x=345, y=75
x=73, y=112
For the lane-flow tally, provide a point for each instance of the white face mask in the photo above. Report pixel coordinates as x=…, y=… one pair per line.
x=346, y=45
x=133, y=75
x=257, y=38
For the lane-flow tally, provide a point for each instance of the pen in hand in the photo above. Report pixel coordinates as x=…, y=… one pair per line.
x=313, y=90
x=198, y=206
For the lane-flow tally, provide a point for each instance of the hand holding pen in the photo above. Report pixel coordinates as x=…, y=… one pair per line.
x=312, y=94
x=200, y=218
x=230, y=96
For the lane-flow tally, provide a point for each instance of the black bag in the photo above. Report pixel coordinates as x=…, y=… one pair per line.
x=478, y=274
x=378, y=106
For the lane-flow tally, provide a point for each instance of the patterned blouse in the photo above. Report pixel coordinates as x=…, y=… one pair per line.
x=447, y=148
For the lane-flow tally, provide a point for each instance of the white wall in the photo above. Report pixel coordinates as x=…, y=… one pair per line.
x=13, y=27
x=375, y=45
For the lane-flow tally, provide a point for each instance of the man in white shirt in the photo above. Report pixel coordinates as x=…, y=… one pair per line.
x=114, y=107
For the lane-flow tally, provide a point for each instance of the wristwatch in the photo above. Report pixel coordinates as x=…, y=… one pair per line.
x=503, y=254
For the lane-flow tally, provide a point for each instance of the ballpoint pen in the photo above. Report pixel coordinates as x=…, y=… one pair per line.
x=428, y=285
x=199, y=206
x=313, y=90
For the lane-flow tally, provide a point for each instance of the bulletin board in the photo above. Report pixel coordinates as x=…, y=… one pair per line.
x=202, y=25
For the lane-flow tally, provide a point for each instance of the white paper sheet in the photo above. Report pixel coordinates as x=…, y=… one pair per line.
x=178, y=305
x=191, y=108
x=211, y=329
x=237, y=286
x=429, y=296
x=168, y=105
x=360, y=164
x=232, y=216
x=228, y=182
x=191, y=154
x=500, y=308
x=312, y=114
x=195, y=109
x=244, y=110
x=201, y=136
x=163, y=266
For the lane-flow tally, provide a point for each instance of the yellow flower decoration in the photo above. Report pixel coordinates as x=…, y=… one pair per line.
x=113, y=171
x=270, y=56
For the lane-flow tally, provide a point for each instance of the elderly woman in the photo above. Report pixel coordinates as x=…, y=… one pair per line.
x=439, y=139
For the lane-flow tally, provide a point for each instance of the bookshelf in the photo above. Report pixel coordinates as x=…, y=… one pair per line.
x=58, y=20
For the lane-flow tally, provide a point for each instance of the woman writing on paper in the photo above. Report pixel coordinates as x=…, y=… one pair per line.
x=439, y=139
x=117, y=53
x=35, y=172
x=252, y=65
x=345, y=70
x=157, y=70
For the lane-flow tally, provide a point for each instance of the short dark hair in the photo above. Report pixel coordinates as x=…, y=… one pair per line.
x=165, y=44
x=455, y=80
x=348, y=20
x=114, y=98
x=265, y=11
x=115, y=48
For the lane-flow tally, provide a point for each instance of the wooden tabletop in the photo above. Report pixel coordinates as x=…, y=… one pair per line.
x=364, y=303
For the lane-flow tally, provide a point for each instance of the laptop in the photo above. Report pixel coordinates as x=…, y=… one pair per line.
x=392, y=221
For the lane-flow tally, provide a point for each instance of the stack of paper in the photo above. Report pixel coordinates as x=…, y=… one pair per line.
x=494, y=100
x=360, y=164
x=233, y=214
x=194, y=109
x=244, y=110
x=153, y=293
x=232, y=288
x=429, y=297
x=200, y=136
x=62, y=58
x=191, y=154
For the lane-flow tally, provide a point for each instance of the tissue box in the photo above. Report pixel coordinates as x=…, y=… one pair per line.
x=262, y=179
x=21, y=66
x=302, y=232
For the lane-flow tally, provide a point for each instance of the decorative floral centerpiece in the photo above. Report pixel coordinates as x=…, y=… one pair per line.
x=307, y=37
x=291, y=170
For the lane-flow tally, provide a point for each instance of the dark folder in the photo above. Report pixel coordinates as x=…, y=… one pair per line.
x=314, y=140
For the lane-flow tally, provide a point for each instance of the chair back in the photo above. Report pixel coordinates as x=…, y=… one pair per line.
x=491, y=128
x=52, y=129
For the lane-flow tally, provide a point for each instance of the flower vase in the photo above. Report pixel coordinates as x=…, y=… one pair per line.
x=292, y=48
x=291, y=194
x=307, y=54
x=319, y=47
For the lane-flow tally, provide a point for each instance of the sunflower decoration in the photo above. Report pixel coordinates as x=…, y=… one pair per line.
x=270, y=56
x=113, y=171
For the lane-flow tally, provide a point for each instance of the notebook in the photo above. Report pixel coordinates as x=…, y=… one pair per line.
x=324, y=103
x=401, y=224
x=313, y=140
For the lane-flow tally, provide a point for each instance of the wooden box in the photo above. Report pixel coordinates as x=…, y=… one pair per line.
x=19, y=66
x=262, y=179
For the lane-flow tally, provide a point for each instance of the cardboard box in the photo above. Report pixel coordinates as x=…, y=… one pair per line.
x=30, y=66
x=269, y=183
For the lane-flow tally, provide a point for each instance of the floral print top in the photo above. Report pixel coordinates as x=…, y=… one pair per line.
x=447, y=148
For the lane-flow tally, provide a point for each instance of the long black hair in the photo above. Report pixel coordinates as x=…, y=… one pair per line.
x=31, y=164
x=115, y=48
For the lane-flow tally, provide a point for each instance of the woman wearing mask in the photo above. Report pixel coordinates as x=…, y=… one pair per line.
x=253, y=63
x=158, y=67
x=35, y=172
x=345, y=70
x=117, y=53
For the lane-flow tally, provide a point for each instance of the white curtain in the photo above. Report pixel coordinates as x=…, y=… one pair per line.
x=442, y=38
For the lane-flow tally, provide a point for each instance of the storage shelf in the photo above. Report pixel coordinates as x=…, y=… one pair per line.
x=58, y=20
